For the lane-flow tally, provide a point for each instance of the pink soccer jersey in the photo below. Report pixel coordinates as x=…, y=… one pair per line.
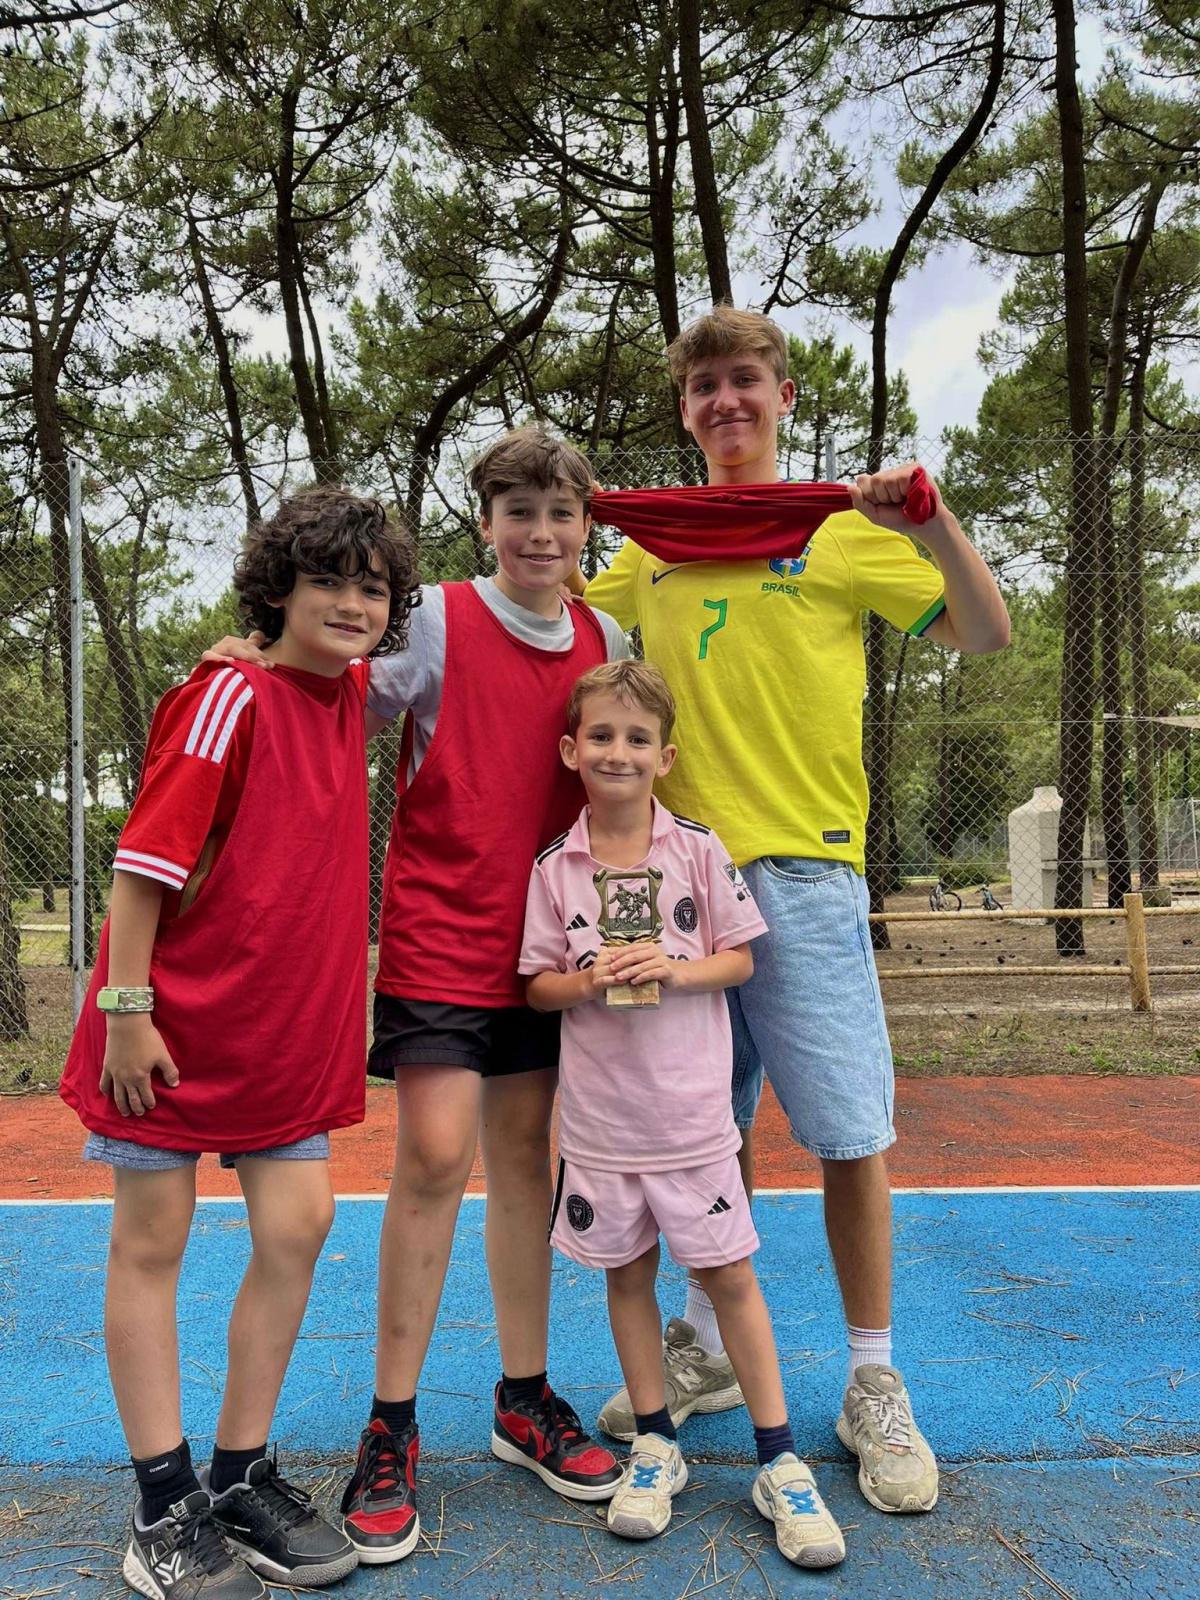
x=643, y=1090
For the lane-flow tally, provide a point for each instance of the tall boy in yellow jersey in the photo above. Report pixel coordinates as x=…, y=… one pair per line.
x=766, y=662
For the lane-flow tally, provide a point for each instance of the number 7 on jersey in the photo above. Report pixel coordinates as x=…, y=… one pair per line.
x=721, y=607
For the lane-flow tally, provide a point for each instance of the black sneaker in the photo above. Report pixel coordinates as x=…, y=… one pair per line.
x=278, y=1532
x=184, y=1557
x=547, y=1437
x=379, y=1507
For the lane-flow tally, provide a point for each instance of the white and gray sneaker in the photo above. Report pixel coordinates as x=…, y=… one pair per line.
x=654, y=1474
x=184, y=1557
x=786, y=1493
x=695, y=1381
x=896, y=1468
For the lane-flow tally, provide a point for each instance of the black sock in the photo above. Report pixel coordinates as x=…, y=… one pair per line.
x=655, y=1422
x=772, y=1442
x=522, y=1391
x=397, y=1414
x=231, y=1466
x=164, y=1479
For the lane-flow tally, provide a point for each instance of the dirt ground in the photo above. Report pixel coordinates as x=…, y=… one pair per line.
x=1013, y=1024
x=994, y=1024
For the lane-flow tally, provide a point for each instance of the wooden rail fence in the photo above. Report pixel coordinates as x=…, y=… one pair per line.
x=1137, y=968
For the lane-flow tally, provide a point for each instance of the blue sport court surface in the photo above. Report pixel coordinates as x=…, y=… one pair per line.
x=1050, y=1340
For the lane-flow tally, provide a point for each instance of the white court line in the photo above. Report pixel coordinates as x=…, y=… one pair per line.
x=813, y=1194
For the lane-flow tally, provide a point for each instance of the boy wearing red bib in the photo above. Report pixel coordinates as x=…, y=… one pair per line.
x=226, y=1013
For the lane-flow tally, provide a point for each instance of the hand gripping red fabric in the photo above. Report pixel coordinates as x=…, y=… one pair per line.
x=746, y=522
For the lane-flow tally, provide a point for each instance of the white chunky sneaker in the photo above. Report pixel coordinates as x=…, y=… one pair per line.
x=695, y=1381
x=896, y=1468
x=654, y=1474
x=786, y=1493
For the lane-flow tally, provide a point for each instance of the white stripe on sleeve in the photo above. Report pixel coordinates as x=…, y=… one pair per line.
x=147, y=866
x=218, y=749
x=214, y=688
x=217, y=715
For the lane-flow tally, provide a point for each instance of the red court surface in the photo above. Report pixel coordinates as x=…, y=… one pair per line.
x=953, y=1132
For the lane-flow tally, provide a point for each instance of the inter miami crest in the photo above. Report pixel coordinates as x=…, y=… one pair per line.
x=685, y=914
x=579, y=1213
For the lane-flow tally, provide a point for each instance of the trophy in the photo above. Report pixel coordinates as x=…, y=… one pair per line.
x=629, y=914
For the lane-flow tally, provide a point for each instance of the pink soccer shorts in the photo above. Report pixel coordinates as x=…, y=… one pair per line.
x=607, y=1219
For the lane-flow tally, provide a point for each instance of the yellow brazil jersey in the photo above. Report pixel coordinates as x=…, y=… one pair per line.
x=766, y=662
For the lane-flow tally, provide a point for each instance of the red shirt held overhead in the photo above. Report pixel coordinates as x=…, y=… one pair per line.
x=737, y=522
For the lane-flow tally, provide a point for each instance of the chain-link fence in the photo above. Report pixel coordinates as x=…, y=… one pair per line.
x=965, y=752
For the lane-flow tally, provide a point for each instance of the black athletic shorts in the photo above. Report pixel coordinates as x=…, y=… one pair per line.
x=491, y=1040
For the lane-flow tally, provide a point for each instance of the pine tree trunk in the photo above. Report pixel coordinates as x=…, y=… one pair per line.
x=220, y=343
x=704, y=172
x=1112, y=699
x=1135, y=595
x=881, y=827
x=1078, y=696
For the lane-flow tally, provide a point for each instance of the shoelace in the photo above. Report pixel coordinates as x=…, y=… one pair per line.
x=201, y=1538
x=383, y=1468
x=562, y=1424
x=801, y=1501
x=281, y=1500
x=645, y=1472
x=893, y=1416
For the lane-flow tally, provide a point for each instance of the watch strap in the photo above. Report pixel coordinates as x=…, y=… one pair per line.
x=123, y=1001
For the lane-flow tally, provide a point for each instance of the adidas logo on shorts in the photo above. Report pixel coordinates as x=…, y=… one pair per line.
x=721, y=1205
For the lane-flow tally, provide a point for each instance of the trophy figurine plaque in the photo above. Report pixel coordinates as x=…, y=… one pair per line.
x=628, y=915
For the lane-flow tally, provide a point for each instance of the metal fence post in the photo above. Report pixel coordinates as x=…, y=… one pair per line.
x=75, y=776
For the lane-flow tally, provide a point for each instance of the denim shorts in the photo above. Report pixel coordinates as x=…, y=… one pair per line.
x=812, y=1014
x=147, y=1158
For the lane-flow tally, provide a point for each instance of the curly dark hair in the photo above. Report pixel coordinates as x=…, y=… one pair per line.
x=326, y=529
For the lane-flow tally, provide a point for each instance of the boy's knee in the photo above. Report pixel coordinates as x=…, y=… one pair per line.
x=148, y=1244
x=728, y=1283
x=297, y=1238
x=520, y=1150
x=433, y=1167
x=519, y=1135
x=634, y=1276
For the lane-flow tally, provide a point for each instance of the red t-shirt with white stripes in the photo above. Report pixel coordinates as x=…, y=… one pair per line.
x=197, y=756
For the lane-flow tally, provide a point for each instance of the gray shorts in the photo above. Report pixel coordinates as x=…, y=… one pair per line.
x=133, y=1157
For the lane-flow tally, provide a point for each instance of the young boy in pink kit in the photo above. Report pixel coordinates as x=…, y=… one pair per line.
x=647, y=1138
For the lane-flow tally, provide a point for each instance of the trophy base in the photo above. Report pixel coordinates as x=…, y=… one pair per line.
x=629, y=996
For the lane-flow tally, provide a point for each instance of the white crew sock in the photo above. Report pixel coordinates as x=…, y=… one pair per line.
x=703, y=1318
x=868, y=1346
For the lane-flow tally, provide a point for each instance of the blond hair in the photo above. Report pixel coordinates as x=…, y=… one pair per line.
x=530, y=457
x=725, y=331
x=635, y=683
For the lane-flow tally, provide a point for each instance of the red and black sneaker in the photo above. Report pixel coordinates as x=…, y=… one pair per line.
x=547, y=1437
x=379, y=1507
